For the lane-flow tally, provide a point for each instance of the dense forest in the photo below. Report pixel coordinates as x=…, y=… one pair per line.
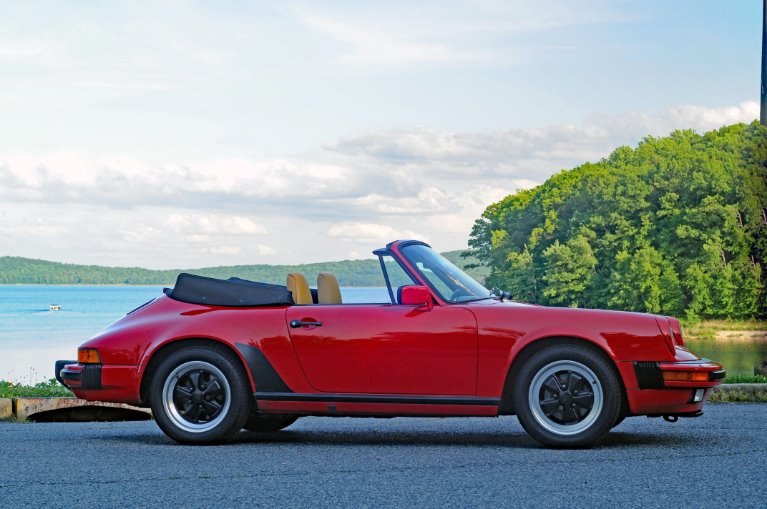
x=14, y=270
x=677, y=225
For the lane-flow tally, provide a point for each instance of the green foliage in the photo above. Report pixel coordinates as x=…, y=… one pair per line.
x=677, y=225
x=746, y=379
x=14, y=270
x=568, y=270
x=522, y=277
x=48, y=389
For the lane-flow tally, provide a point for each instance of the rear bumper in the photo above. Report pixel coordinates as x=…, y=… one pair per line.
x=97, y=382
x=79, y=376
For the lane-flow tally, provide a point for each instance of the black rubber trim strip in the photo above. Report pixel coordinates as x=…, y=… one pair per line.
x=377, y=398
x=89, y=377
x=717, y=375
x=648, y=375
x=59, y=366
x=70, y=376
x=264, y=375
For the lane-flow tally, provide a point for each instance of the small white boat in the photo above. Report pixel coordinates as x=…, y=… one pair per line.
x=55, y=307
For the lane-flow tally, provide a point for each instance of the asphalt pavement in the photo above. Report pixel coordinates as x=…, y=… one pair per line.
x=717, y=460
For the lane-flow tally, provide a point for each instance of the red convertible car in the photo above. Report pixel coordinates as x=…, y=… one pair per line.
x=211, y=357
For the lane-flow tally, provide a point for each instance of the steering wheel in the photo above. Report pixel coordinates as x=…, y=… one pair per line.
x=459, y=292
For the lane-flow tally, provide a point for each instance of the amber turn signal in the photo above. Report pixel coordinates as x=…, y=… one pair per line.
x=88, y=356
x=685, y=376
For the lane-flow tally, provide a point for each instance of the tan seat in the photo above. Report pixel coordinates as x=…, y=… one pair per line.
x=328, y=291
x=299, y=287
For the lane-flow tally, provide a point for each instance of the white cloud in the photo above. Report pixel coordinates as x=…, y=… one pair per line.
x=418, y=35
x=368, y=233
x=214, y=224
x=264, y=250
x=223, y=250
x=65, y=176
x=126, y=85
x=550, y=143
x=19, y=51
x=633, y=126
x=378, y=48
x=368, y=190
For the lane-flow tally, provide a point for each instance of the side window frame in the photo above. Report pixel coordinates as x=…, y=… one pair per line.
x=386, y=274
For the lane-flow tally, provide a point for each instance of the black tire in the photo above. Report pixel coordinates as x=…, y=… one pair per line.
x=266, y=423
x=200, y=395
x=567, y=396
x=619, y=420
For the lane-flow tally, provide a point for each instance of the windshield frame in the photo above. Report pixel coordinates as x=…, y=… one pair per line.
x=400, y=247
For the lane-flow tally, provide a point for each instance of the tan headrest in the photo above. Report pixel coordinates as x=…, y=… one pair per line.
x=299, y=288
x=328, y=291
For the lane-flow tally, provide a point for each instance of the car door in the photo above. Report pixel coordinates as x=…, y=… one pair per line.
x=386, y=348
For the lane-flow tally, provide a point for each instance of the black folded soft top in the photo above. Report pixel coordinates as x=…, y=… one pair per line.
x=227, y=292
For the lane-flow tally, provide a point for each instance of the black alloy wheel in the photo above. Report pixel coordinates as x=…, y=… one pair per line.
x=567, y=396
x=200, y=394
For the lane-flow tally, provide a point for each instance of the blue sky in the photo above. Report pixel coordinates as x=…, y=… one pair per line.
x=183, y=134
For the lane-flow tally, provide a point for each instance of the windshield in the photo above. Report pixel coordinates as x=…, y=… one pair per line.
x=450, y=282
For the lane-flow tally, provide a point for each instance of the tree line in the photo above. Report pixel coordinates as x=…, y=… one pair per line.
x=16, y=270
x=677, y=225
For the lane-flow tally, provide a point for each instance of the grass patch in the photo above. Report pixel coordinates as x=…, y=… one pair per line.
x=49, y=389
x=707, y=329
x=746, y=379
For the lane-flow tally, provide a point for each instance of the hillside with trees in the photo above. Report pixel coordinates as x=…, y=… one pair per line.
x=15, y=270
x=677, y=225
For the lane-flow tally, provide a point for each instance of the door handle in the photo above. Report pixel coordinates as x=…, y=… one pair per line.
x=298, y=323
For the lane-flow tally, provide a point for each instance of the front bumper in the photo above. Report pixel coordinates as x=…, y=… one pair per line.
x=649, y=392
x=702, y=374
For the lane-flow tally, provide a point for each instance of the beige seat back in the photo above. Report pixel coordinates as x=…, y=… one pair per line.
x=328, y=291
x=299, y=287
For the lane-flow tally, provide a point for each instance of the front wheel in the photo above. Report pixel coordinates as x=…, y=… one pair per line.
x=200, y=395
x=567, y=396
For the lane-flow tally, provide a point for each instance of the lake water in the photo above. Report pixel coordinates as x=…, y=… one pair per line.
x=32, y=337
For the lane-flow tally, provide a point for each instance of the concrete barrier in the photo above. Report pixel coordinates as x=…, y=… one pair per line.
x=74, y=409
x=6, y=409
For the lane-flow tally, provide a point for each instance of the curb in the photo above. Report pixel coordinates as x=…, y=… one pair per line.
x=6, y=409
x=74, y=409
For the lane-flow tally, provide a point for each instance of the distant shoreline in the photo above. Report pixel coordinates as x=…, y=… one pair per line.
x=350, y=273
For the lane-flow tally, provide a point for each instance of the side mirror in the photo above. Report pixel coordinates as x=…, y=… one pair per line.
x=416, y=296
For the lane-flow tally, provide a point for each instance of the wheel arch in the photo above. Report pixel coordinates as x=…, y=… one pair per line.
x=161, y=353
x=534, y=346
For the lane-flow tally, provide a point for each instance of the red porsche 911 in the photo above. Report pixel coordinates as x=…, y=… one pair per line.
x=212, y=357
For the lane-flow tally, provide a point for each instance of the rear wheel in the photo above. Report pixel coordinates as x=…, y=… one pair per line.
x=265, y=423
x=567, y=396
x=200, y=395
